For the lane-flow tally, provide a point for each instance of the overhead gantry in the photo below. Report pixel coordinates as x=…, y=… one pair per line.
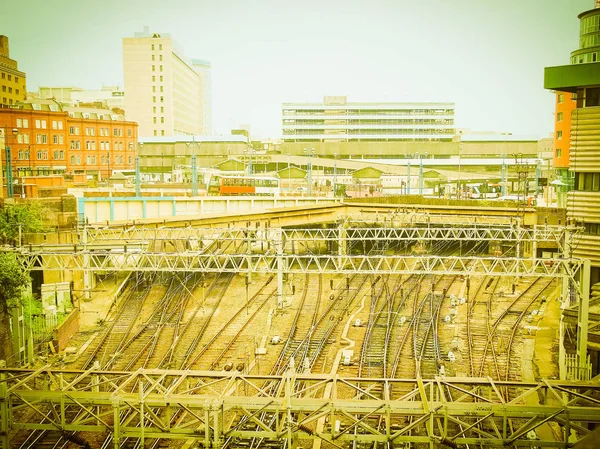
x=343, y=248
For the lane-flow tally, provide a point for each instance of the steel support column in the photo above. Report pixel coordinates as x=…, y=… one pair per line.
x=138, y=187
x=194, y=176
x=582, y=318
x=5, y=411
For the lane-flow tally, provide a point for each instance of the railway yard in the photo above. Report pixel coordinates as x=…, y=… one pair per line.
x=358, y=335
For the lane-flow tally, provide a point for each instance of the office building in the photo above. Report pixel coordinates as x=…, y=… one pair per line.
x=582, y=78
x=164, y=92
x=12, y=80
x=337, y=120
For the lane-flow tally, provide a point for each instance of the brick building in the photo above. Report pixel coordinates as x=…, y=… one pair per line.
x=52, y=139
x=12, y=80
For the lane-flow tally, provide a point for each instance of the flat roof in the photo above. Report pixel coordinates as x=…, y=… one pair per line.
x=191, y=139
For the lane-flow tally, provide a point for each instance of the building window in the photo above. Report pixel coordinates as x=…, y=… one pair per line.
x=558, y=152
x=161, y=78
x=154, y=99
x=154, y=120
x=161, y=88
x=162, y=109
x=25, y=138
x=162, y=133
x=561, y=98
x=153, y=57
x=559, y=135
x=592, y=97
x=129, y=132
x=559, y=117
x=55, y=140
x=161, y=99
x=162, y=119
x=41, y=138
x=16, y=79
x=160, y=57
x=161, y=68
x=153, y=68
x=152, y=47
x=72, y=160
x=160, y=46
x=153, y=88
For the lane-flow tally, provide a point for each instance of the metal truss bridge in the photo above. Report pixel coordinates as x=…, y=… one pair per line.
x=215, y=409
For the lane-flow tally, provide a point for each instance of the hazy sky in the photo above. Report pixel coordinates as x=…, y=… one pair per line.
x=487, y=56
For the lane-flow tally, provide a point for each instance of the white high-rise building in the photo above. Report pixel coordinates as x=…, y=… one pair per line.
x=203, y=68
x=164, y=92
x=337, y=120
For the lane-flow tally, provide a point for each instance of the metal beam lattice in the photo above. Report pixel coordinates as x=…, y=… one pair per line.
x=474, y=411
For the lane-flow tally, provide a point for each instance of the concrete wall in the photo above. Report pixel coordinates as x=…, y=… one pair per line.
x=98, y=210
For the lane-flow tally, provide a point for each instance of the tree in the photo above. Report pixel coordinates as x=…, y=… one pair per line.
x=13, y=278
x=27, y=217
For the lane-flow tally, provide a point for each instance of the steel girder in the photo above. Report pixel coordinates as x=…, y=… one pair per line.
x=409, y=216
x=549, y=234
x=107, y=261
x=216, y=407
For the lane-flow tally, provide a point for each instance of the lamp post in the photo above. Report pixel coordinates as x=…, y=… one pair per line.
x=289, y=174
x=8, y=154
x=503, y=175
x=138, y=186
x=335, y=155
x=421, y=174
x=459, y=190
x=309, y=153
x=408, y=176
x=248, y=152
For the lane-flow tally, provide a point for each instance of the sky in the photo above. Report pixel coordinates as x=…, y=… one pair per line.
x=486, y=56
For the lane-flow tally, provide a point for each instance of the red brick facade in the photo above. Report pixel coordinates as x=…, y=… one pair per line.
x=54, y=142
